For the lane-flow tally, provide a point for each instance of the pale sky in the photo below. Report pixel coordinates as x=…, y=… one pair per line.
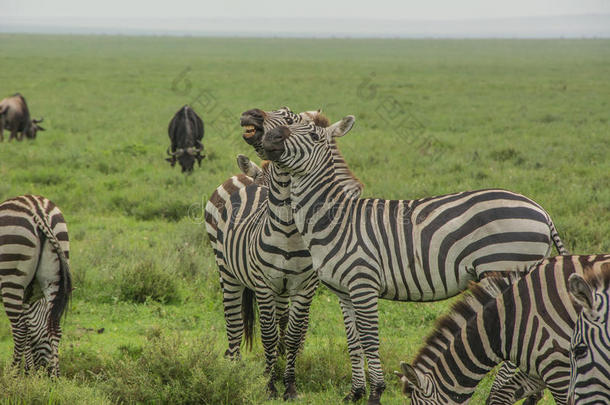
x=277, y=9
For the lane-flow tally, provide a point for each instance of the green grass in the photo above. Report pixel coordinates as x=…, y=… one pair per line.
x=433, y=117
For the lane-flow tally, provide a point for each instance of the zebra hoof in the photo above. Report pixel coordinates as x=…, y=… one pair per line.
x=291, y=392
x=375, y=397
x=355, y=395
x=271, y=390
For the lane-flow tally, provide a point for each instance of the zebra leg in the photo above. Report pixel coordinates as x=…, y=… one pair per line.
x=232, y=291
x=269, y=335
x=511, y=384
x=367, y=324
x=295, y=335
x=55, y=338
x=12, y=295
x=356, y=354
x=281, y=310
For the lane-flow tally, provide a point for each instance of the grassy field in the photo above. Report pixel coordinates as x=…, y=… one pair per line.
x=432, y=117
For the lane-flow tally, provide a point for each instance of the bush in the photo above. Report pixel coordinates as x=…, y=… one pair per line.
x=146, y=280
x=175, y=370
x=17, y=388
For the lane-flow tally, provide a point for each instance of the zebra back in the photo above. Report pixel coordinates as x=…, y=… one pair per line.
x=217, y=201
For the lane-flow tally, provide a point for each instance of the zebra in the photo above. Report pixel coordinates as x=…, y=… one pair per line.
x=259, y=252
x=34, y=251
x=407, y=250
x=529, y=322
x=590, y=342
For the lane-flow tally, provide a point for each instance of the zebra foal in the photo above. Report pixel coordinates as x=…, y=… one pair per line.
x=406, y=250
x=34, y=249
x=529, y=322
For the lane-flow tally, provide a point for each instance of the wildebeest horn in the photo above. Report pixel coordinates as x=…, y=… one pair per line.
x=38, y=121
x=178, y=152
x=193, y=150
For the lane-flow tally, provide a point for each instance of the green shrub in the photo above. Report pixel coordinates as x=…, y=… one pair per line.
x=146, y=280
x=17, y=388
x=173, y=369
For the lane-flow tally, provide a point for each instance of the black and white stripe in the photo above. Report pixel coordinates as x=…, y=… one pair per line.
x=258, y=249
x=590, y=343
x=529, y=322
x=34, y=249
x=407, y=250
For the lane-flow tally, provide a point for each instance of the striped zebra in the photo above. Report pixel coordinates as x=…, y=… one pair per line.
x=407, y=250
x=34, y=251
x=590, y=343
x=529, y=322
x=259, y=251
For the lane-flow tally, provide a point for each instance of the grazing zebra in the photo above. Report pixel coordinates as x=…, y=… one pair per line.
x=417, y=250
x=34, y=251
x=528, y=322
x=258, y=250
x=590, y=343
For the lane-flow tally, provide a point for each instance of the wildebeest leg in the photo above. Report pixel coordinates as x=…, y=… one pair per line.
x=13, y=134
x=20, y=136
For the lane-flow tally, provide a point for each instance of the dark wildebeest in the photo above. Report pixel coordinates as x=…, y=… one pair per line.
x=15, y=116
x=185, y=133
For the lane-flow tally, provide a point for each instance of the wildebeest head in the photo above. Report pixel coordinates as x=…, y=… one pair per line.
x=33, y=128
x=185, y=132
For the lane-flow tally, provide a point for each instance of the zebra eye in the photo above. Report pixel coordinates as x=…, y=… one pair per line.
x=289, y=121
x=579, y=351
x=314, y=136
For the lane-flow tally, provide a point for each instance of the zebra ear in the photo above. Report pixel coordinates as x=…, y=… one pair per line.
x=581, y=291
x=411, y=375
x=342, y=127
x=247, y=167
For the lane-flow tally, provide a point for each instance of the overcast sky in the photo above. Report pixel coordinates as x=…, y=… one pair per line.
x=334, y=9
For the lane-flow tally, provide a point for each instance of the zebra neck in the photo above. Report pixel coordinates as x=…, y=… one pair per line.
x=464, y=348
x=278, y=206
x=315, y=198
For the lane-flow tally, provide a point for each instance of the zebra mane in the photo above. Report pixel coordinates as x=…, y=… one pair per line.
x=350, y=182
x=478, y=295
x=599, y=279
x=321, y=120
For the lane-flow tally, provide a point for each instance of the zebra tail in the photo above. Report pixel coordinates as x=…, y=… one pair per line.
x=557, y=240
x=60, y=302
x=248, y=313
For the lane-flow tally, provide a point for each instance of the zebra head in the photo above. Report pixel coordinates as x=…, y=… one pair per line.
x=256, y=122
x=420, y=386
x=44, y=337
x=590, y=344
x=303, y=146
